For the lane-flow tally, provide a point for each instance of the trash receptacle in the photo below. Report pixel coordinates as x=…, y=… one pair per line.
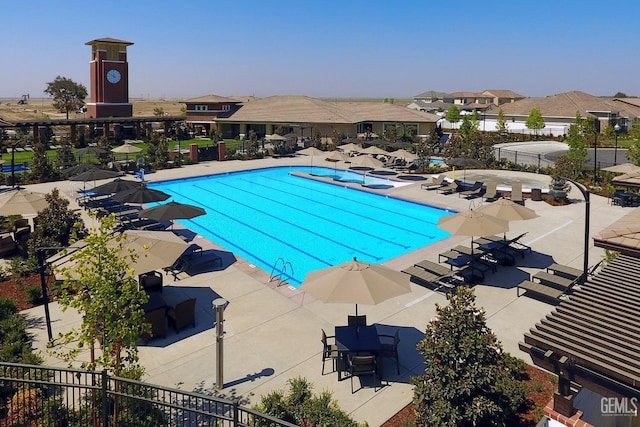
x=536, y=194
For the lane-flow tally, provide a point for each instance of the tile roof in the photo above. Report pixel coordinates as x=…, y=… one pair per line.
x=297, y=109
x=622, y=236
x=211, y=98
x=433, y=94
x=108, y=40
x=567, y=104
x=503, y=93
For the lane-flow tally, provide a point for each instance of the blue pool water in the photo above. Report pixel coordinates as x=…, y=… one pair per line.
x=266, y=214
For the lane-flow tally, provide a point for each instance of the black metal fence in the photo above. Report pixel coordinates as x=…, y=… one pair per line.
x=57, y=397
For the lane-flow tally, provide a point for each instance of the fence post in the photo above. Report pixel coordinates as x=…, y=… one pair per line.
x=516, y=157
x=236, y=413
x=538, y=163
x=105, y=400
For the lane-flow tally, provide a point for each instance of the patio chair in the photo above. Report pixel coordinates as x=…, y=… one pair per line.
x=362, y=365
x=21, y=228
x=491, y=192
x=8, y=245
x=329, y=351
x=357, y=320
x=389, y=347
x=150, y=282
x=516, y=193
x=433, y=183
x=158, y=320
x=183, y=314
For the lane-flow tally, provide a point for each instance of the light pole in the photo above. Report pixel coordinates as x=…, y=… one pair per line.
x=596, y=129
x=616, y=128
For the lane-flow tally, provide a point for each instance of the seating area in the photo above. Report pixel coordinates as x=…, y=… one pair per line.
x=359, y=350
x=625, y=198
x=160, y=315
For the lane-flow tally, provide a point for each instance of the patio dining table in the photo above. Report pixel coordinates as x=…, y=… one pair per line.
x=355, y=339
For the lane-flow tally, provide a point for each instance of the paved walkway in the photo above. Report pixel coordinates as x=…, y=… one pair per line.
x=273, y=333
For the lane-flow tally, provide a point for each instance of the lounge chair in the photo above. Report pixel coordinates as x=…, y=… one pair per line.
x=491, y=192
x=433, y=183
x=516, y=193
x=179, y=266
x=449, y=188
x=474, y=191
x=183, y=314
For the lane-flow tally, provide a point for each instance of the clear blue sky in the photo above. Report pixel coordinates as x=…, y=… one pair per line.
x=328, y=48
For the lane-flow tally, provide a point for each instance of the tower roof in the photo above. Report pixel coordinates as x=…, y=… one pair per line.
x=108, y=40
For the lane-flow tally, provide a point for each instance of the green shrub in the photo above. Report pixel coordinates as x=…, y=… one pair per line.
x=34, y=294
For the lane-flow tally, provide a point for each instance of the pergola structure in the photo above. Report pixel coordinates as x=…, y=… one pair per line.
x=592, y=339
x=105, y=123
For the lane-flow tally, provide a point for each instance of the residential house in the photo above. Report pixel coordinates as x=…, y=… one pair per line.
x=501, y=96
x=470, y=101
x=431, y=102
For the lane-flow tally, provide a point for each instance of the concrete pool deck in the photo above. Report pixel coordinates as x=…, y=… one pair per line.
x=273, y=332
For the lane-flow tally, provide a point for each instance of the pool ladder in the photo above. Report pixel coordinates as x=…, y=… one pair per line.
x=279, y=274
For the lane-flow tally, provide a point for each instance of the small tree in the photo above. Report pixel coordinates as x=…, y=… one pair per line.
x=67, y=94
x=577, y=146
x=535, y=121
x=501, y=124
x=64, y=154
x=41, y=167
x=453, y=115
x=468, y=379
x=104, y=291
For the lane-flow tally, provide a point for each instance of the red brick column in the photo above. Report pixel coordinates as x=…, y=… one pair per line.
x=193, y=153
x=222, y=151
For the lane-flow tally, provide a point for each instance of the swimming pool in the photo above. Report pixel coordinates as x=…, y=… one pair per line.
x=268, y=214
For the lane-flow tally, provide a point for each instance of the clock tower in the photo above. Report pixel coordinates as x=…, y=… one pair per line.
x=109, y=79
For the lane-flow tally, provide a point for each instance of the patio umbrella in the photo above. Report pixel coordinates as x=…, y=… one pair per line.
x=311, y=152
x=347, y=148
x=508, y=210
x=626, y=168
x=473, y=223
x=155, y=250
x=139, y=195
x=78, y=169
x=337, y=156
x=94, y=175
x=403, y=154
x=375, y=151
x=172, y=210
x=22, y=202
x=116, y=186
x=401, y=144
x=126, y=149
x=356, y=282
x=463, y=162
x=366, y=162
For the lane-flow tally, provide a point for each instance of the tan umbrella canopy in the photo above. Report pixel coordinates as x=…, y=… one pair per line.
x=22, y=202
x=155, y=250
x=127, y=149
x=375, y=150
x=508, y=210
x=403, y=154
x=626, y=168
x=366, y=162
x=356, y=282
x=337, y=156
x=311, y=152
x=473, y=223
x=347, y=148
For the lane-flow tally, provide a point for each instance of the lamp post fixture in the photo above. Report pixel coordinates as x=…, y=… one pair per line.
x=596, y=130
x=616, y=128
x=13, y=164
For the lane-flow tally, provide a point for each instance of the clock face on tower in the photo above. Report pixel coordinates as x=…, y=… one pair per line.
x=113, y=76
